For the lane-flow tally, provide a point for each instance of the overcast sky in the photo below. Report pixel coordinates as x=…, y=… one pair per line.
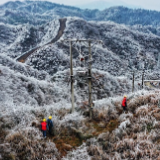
x=146, y=4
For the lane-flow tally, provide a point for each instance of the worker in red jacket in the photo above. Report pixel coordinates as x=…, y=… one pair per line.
x=124, y=103
x=44, y=127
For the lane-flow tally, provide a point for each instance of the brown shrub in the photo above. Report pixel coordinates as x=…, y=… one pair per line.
x=62, y=112
x=97, y=157
x=104, y=114
x=100, y=115
x=142, y=100
x=15, y=138
x=35, y=124
x=66, y=147
x=104, y=136
x=157, y=116
x=94, y=150
x=157, y=125
x=24, y=147
x=142, y=111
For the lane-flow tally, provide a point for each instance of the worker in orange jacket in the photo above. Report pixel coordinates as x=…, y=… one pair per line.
x=124, y=103
x=44, y=127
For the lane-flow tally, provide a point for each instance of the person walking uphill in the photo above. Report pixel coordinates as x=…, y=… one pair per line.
x=44, y=128
x=50, y=124
x=124, y=103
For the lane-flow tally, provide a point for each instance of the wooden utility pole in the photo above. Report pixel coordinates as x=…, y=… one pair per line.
x=133, y=82
x=89, y=72
x=90, y=81
x=142, y=78
x=71, y=74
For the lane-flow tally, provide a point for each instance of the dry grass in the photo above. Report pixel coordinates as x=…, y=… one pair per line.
x=3, y=134
x=66, y=143
x=137, y=138
x=104, y=115
x=23, y=147
x=62, y=112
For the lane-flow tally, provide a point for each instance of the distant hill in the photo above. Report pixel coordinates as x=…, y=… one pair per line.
x=39, y=12
x=101, y=5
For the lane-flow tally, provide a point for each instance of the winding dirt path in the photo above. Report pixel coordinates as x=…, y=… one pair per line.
x=62, y=27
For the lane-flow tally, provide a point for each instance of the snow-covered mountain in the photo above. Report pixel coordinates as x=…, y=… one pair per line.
x=40, y=12
x=123, y=48
x=123, y=41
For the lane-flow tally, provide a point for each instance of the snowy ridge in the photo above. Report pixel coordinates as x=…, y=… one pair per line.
x=39, y=12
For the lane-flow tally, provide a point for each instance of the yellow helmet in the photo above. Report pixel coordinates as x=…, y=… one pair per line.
x=50, y=117
x=125, y=96
x=44, y=120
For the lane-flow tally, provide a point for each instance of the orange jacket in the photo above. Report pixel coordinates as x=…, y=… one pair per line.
x=124, y=102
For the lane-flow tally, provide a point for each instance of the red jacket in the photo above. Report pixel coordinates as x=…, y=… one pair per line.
x=44, y=126
x=124, y=102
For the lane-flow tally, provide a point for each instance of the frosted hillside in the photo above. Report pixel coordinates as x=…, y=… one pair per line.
x=33, y=12
x=147, y=29
x=22, y=68
x=103, y=84
x=35, y=82
x=123, y=50
x=122, y=135
x=19, y=89
x=119, y=39
x=24, y=102
x=51, y=58
x=15, y=40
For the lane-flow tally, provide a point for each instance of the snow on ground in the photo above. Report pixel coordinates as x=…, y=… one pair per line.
x=28, y=95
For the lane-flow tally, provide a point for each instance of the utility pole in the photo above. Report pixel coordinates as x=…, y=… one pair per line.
x=142, y=78
x=158, y=63
x=90, y=81
x=89, y=72
x=71, y=74
x=133, y=82
x=145, y=67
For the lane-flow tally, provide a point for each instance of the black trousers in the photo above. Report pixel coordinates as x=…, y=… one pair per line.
x=124, y=108
x=50, y=130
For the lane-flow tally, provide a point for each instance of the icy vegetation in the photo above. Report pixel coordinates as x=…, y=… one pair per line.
x=123, y=50
x=15, y=40
x=41, y=86
x=22, y=68
x=24, y=104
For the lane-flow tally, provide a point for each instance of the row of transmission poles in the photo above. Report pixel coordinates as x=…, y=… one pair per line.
x=71, y=41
